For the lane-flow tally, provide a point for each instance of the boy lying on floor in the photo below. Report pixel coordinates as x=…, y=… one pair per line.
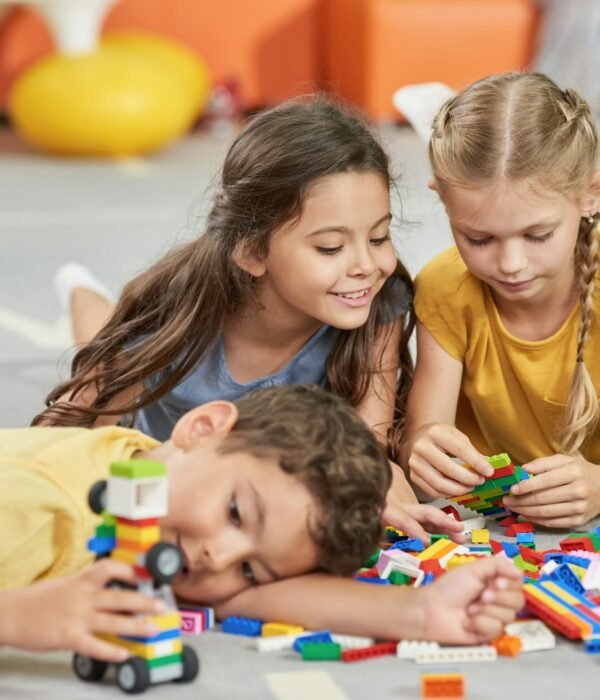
x=272, y=498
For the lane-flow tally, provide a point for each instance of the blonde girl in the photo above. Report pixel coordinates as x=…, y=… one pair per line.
x=508, y=335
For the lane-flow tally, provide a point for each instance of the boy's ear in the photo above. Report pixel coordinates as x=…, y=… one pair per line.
x=214, y=418
x=432, y=184
x=590, y=202
x=247, y=259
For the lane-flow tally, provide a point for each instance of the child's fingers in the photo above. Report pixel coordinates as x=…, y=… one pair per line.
x=96, y=648
x=544, y=464
x=124, y=625
x=105, y=570
x=457, y=444
x=543, y=482
x=492, y=570
x=116, y=599
x=537, y=512
x=485, y=627
x=498, y=612
x=435, y=520
x=511, y=600
x=437, y=457
x=402, y=521
x=433, y=481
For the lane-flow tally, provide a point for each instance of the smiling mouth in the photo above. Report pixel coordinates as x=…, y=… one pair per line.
x=352, y=295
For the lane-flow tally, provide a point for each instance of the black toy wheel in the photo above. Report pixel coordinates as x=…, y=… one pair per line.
x=163, y=561
x=133, y=676
x=97, y=497
x=89, y=669
x=191, y=665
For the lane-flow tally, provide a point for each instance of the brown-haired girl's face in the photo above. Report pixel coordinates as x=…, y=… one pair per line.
x=328, y=266
x=518, y=242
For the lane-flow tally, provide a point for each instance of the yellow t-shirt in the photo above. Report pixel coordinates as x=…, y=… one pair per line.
x=45, y=475
x=513, y=391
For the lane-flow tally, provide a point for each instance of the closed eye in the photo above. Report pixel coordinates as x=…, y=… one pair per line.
x=329, y=251
x=381, y=240
x=540, y=238
x=478, y=241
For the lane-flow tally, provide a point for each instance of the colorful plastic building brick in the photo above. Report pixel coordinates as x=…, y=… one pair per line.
x=442, y=685
x=506, y=645
x=321, y=651
x=130, y=503
x=444, y=655
x=274, y=629
x=480, y=536
x=244, y=626
x=534, y=635
x=487, y=498
x=382, y=649
x=408, y=648
x=571, y=614
x=196, y=619
x=313, y=637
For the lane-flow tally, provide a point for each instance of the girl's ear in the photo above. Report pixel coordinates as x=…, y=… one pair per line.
x=246, y=259
x=590, y=202
x=432, y=185
x=210, y=419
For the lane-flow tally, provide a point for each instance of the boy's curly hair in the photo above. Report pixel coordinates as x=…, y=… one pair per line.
x=317, y=437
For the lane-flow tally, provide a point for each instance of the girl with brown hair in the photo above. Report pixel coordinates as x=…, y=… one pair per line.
x=507, y=319
x=294, y=280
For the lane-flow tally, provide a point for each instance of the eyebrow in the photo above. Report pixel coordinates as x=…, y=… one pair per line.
x=528, y=229
x=345, y=229
x=259, y=507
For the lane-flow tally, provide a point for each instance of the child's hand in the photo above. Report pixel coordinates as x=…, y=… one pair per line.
x=416, y=520
x=65, y=613
x=472, y=603
x=564, y=493
x=432, y=468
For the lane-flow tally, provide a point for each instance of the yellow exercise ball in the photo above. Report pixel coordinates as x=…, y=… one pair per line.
x=134, y=94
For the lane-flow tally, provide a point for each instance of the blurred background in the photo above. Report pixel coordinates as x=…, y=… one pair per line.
x=115, y=116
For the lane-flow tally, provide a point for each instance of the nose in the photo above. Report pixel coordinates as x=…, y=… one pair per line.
x=362, y=263
x=511, y=258
x=220, y=554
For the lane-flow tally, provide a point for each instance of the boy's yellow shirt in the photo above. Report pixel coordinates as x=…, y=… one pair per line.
x=513, y=391
x=45, y=475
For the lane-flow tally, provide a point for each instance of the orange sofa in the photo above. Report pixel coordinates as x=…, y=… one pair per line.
x=269, y=48
x=373, y=47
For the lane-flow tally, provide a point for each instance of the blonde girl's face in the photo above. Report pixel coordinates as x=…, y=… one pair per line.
x=328, y=266
x=518, y=242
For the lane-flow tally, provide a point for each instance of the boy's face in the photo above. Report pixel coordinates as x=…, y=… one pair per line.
x=239, y=519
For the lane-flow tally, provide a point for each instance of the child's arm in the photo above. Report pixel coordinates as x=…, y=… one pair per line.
x=65, y=613
x=564, y=493
x=377, y=408
x=431, y=438
x=468, y=605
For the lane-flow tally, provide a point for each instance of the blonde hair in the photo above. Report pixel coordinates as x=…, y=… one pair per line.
x=521, y=127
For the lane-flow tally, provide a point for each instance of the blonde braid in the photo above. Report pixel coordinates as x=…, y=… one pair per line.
x=581, y=412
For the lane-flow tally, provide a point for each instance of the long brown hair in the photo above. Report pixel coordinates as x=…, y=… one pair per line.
x=168, y=316
x=523, y=128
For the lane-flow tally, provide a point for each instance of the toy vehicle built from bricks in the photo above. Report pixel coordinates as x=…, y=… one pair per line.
x=130, y=504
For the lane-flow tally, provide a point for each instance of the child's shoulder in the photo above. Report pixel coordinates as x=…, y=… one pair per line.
x=445, y=274
x=446, y=287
